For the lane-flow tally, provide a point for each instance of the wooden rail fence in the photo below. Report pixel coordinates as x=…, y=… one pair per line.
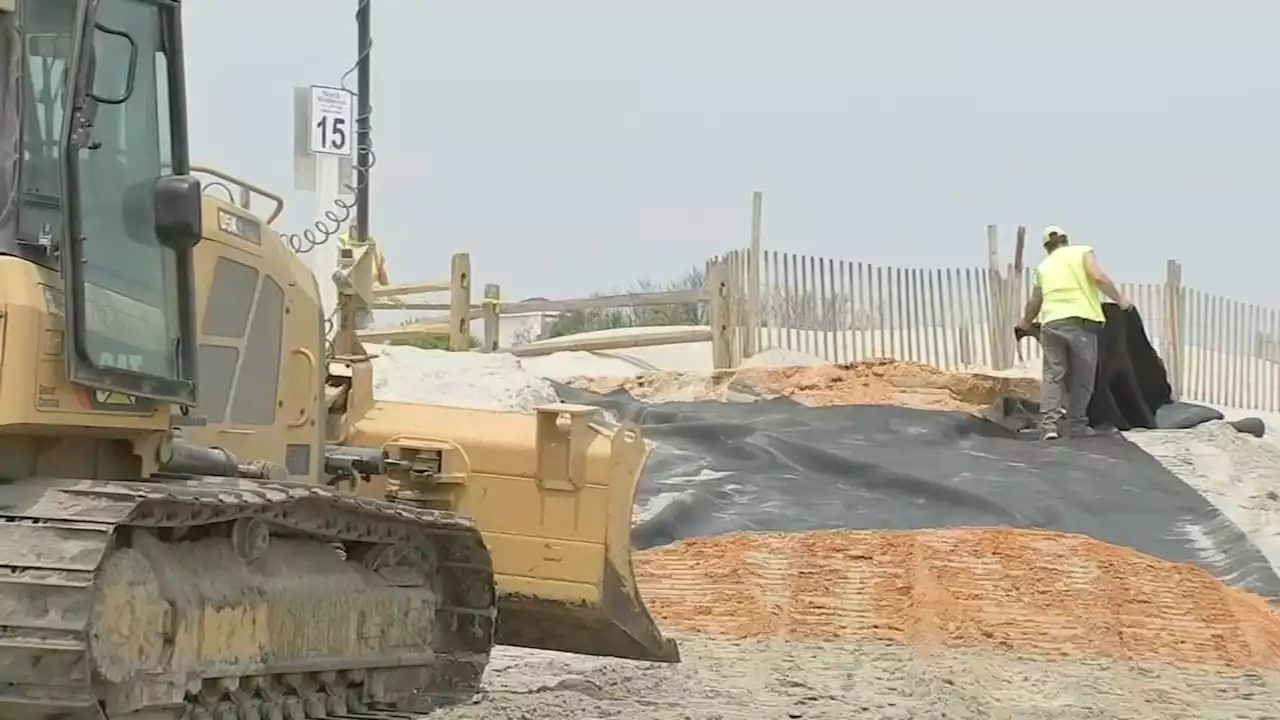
x=716, y=293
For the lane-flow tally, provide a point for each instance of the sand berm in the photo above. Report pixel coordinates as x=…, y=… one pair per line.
x=959, y=623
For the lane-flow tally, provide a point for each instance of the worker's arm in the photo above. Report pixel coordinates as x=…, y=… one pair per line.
x=1107, y=287
x=1033, y=308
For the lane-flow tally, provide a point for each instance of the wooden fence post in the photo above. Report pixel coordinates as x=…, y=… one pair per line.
x=718, y=292
x=491, y=313
x=1016, y=296
x=735, y=306
x=750, y=343
x=1171, y=330
x=997, y=325
x=733, y=273
x=1180, y=304
x=738, y=300
x=460, y=303
x=964, y=344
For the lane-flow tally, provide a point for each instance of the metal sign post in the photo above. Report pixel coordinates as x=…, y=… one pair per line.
x=324, y=141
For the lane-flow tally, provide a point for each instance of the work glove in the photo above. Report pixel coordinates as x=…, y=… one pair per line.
x=1033, y=331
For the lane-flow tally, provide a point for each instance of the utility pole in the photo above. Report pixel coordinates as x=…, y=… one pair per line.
x=364, y=105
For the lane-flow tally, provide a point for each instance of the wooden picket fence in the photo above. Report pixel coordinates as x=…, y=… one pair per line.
x=1230, y=352
x=1216, y=350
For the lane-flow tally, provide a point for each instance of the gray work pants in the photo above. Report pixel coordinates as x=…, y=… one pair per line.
x=1070, y=364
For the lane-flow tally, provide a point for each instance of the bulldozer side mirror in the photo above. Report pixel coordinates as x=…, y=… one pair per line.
x=178, y=211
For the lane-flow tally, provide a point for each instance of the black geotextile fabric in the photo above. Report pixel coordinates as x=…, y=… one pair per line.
x=776, y=465
x=1131, y=384
x=1132, y=387
x=1023, y=413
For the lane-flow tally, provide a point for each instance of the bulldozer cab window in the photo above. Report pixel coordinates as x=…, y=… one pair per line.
x=129, y=305
x=131, y=279
x=48, y=31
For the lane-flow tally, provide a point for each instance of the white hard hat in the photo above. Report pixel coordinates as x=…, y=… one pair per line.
x=1051, y=231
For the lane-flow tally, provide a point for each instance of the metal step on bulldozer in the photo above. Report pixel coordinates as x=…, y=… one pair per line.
x=206, y=514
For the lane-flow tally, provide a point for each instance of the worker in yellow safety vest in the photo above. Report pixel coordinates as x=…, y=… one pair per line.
x=1065, y=299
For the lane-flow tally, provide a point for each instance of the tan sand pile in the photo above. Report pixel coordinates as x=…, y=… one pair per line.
x=872, y=382
x=1034, y=593
x=885, y=382
x=664, y=386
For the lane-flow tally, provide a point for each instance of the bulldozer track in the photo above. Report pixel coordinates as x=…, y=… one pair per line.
x=55, y=654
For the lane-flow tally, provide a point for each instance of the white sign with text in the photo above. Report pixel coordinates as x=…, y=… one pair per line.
x=332, y=126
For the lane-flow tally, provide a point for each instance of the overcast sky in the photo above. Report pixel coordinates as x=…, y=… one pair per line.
x=579, y=146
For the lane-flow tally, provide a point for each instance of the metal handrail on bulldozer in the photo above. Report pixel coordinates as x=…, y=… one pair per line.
x=246, y=191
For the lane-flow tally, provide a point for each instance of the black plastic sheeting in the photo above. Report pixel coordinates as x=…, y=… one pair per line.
x=1132, y=387
x=776, y=465
x=1131, y=384
x=1019, y=413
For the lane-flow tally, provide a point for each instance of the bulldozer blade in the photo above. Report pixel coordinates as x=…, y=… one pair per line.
x=552, y=493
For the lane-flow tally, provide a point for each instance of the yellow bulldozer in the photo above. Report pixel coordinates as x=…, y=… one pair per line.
x=206, y=514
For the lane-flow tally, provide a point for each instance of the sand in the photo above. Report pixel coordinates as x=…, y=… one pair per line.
x=1038, y=593
x=769, y=678
x=872, y=382
x=963, y=624
x=1238, y=473
x=885, y=382
x=471, y=380
x=943, y=624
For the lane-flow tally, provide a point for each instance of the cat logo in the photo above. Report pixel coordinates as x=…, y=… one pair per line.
x=113, y=400
x=121, y=360
x=106, y=397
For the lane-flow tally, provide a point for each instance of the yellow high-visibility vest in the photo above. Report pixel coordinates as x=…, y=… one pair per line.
x=1066, y=287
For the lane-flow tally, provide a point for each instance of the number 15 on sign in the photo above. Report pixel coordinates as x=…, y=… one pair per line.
x=331, y=129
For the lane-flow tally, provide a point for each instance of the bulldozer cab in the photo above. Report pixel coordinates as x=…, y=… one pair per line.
x=95, y=106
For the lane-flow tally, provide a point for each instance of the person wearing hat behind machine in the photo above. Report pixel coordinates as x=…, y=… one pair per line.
x=1065, y=299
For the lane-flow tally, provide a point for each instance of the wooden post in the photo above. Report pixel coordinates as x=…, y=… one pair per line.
x=460, y=303
x=1016, y=300
x=751, y=334
x=733, y=280
x=490, y=312
x=718, y=297
x=1171, y=330
x=999, y=329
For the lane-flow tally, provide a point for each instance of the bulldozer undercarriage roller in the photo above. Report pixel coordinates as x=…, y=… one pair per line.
x=225, y=599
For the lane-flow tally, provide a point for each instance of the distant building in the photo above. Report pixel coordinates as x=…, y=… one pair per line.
x=514, y=329
x=520, y=328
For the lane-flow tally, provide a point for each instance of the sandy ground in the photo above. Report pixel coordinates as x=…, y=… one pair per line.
x=874, y=382
x=941, y=624
x=1045, y=594
x=960, y=624
x=1238, y=473
x=768, y=678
